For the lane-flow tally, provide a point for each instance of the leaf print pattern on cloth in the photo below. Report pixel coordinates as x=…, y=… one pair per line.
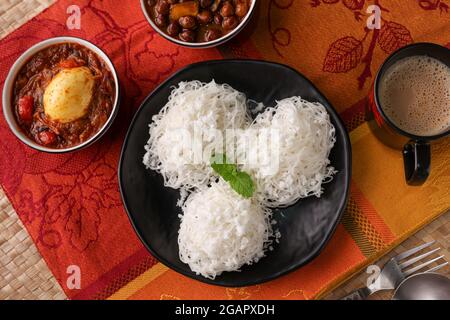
x=349, y=52
x=354, y=5
x=74, y=207
x=434, y=5
x=393, y=36
x=281, y=37
x=343, y=55
x=295, y=294
x=244, y=293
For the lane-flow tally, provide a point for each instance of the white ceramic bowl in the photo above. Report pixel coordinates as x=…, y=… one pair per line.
x=9, y=83
x=202, y=45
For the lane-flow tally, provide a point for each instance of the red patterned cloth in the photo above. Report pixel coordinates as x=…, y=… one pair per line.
x=70, y=203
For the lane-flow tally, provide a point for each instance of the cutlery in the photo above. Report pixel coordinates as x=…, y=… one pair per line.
x=395, y=271
x=424, y=286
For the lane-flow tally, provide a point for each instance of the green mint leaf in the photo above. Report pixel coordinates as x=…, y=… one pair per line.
x=241, y=182
x=226, y=170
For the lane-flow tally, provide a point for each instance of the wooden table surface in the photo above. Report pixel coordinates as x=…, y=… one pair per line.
x=25, y=275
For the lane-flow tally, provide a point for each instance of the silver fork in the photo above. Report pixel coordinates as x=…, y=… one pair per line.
x=394, y=272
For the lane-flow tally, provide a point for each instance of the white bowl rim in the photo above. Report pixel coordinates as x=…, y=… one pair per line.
x=202, y=45
x=18, y=64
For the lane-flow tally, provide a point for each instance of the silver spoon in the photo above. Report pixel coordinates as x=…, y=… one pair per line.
x=424, y=286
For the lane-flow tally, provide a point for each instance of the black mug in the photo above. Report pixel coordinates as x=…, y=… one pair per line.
x=416, y=149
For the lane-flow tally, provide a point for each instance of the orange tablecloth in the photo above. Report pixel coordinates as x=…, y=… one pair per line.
x=70, y=203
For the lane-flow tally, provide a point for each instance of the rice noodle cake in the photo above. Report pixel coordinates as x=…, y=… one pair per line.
x=69, y=94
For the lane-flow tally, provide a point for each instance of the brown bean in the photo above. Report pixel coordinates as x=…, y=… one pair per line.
x=162, y=7
x=173, y=29
x=227, y=9
x=187, y=22
x=187, y=35
x=205, y=3
x=172, y=1
x=230, y=23
x=241, y=9
x=151, y=3
x=212, y=34
x=205, y=17
x=161, y=20
x=218, y=19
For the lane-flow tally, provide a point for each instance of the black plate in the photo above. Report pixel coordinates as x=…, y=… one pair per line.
x=305, y=227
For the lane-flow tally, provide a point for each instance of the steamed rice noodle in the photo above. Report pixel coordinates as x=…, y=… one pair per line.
x=305, y=139
x=194, y=118
x=222, y=231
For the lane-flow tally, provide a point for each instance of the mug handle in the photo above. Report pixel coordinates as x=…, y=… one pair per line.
x=417, y=159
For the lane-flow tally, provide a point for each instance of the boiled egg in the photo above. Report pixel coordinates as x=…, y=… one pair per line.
x=68, y=95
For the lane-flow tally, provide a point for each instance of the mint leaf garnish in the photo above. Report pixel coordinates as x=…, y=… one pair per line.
x=240, y=181
x=226, y=170
x=243, y=184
